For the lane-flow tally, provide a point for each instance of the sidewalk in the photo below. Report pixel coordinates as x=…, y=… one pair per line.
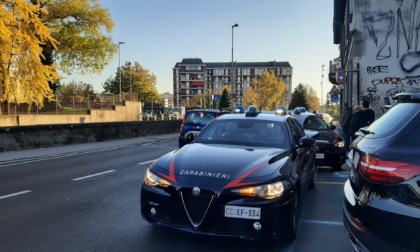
x=9, y=157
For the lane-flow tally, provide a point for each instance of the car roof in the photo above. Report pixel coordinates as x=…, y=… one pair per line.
x=302, y=116
x=258, y=116
x=209, y=110
x=407, y=97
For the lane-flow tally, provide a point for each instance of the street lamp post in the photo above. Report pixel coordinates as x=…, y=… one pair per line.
x=131, y=87
x=322, y=85
x=232, y=75
x=119, y=63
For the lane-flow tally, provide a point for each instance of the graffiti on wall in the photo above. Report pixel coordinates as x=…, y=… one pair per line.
x=395, y=36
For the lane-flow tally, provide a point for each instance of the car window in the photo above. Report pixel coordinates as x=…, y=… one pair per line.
x=199, y=117
x=295, y=130
x=394, y=120
x=245, y=132
x=315, y=123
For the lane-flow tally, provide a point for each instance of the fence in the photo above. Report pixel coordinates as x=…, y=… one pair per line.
x=68, y=104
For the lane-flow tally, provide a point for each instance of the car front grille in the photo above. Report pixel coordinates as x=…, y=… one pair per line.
x=196, y=206
x=231, y=226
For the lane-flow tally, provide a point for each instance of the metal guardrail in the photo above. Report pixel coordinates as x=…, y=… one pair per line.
x=67, y=105
x=161, y=117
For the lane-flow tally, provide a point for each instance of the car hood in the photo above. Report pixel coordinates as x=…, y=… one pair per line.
x=222, y=166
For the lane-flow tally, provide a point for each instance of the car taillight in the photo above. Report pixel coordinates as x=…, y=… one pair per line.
x=338, y=142
x=387, y=171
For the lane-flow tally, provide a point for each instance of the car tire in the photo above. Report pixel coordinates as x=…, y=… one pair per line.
x=292, y=222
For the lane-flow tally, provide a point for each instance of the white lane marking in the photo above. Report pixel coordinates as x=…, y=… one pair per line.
x=146, y=144
x=14, y=194
x=333, y=223
x=93, y=175
x=71, y=154
x=147, y=162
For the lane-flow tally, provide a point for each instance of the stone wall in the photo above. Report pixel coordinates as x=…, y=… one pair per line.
x=40, y=136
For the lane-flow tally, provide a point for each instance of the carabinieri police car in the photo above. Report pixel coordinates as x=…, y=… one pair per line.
x=244, y=175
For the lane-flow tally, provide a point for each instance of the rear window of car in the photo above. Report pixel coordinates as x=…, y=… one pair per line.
x=199, y=117
x=394, y=120
x=315, y=123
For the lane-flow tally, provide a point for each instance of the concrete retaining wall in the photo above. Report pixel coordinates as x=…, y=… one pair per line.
x=39, y=136
x=128, y=112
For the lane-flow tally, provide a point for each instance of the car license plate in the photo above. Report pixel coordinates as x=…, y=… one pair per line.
x=243, y=212
x=356, y=159
x=319, y=155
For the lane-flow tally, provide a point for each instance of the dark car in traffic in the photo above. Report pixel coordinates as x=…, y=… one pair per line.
x=195, y=120
x=382, y=195
x=244, y=175
x=331, y=150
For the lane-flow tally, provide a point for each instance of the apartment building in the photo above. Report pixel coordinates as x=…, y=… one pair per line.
x=192, y=76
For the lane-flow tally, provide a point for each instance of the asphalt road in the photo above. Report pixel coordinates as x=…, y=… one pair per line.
x=86, y=198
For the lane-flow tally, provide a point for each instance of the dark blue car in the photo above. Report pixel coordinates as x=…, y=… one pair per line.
x=196, y=119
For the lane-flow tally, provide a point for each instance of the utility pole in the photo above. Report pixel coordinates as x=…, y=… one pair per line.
x=322, y=86
x=232, y=79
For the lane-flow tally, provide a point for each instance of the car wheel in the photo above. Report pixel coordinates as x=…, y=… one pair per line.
x=336, y=167
x=293, y=220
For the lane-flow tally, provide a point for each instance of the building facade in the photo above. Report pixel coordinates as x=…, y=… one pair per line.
x=192, y=76
x=379, y=50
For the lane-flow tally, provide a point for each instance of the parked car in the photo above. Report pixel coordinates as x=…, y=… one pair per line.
x=195, y=120
x=326, y=117
x=382, y=195
x=244, y=175
x=331, y=150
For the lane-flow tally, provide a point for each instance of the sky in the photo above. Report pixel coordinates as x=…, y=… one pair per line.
x=159, y=33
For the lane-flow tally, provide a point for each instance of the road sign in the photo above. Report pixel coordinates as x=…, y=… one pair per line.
x=216, y=98
x=334, y=90
x=340, y=76
x=334, y=97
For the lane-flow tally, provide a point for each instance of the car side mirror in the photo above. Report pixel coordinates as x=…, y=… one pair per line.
x=333, y=127
x=307, y=142
x=190, y=136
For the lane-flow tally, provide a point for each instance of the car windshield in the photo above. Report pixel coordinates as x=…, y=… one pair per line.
x=314, y=123
x=245, y=132
x=199, y=117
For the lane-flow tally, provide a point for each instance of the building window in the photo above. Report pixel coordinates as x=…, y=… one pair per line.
x=194, y=68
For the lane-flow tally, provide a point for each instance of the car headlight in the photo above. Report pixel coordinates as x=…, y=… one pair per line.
x=268, y=191
x=151, y=179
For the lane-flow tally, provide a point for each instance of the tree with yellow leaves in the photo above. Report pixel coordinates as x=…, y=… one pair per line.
x=82, y=27
x=134, y=79
x=250, y=97
x=313, y=99
x=269, y=91
x=23, y=77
